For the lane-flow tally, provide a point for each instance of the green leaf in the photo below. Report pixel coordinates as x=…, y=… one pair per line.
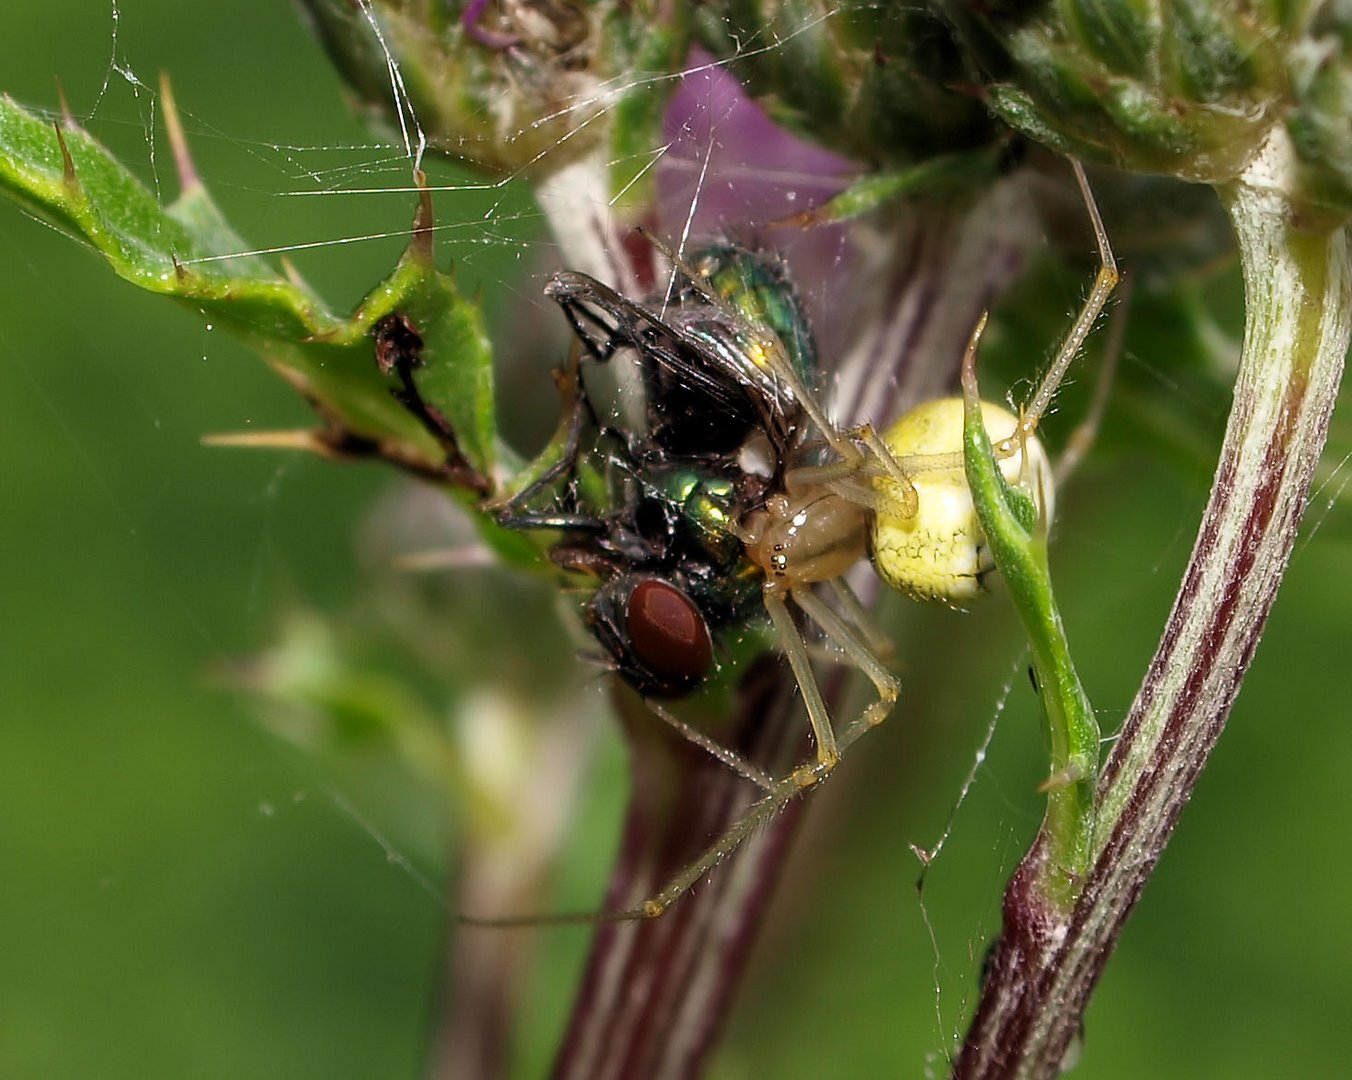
x=189, y=252
x=1018, y=542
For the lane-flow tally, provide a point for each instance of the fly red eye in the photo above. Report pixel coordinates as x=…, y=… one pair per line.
x=667, y=632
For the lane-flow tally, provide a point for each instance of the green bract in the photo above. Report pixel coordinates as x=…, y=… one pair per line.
x=515, y=89
x=1320, y=70
x=1182, y=88
x=1190, y=88
x=1018, y=541
x=875, y=82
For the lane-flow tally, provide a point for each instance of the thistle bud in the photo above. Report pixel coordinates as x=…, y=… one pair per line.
x=1189, y=88
x=877, y=83
x=519, y=86
x=1320, y=72
x=1186, y=88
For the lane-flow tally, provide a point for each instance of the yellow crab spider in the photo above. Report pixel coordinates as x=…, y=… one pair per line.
x=900, y=499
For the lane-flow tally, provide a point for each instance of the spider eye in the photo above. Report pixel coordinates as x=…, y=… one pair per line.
x=667, y=632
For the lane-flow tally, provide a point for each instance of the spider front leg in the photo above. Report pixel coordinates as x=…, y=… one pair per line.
x=758, y=814
x=795, y=650
x=936, y=550
x=859, y=652
x=781, y=793
x=1105, y=281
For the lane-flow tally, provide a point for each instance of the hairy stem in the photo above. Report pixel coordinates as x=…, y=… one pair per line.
x=1298, y=291
x=655, y=993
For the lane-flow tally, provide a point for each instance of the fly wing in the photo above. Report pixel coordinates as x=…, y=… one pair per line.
x=707, y=391
x=753, y=359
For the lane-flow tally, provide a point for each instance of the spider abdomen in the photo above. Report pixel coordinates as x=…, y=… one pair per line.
x=939, y=552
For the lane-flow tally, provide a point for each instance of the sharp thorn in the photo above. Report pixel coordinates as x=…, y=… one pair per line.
x=305, y=439
x=67, y=164
x=458, y=558
x=188, y=179
x=294, y=276
x=67, y=117
x=420, y=247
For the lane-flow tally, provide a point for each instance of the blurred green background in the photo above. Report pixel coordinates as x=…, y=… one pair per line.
x=186, y=895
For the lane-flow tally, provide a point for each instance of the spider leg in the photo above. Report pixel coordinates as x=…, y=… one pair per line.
x=1082, y=438
x=759, y=813
x=861, y=655
x=878, y=642
x=1105, y=280
x=779, y=795
x=729, y=757
x=791, y=641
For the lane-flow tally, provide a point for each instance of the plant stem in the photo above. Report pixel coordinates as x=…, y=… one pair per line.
x=655, y=994
x=1298, y=291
